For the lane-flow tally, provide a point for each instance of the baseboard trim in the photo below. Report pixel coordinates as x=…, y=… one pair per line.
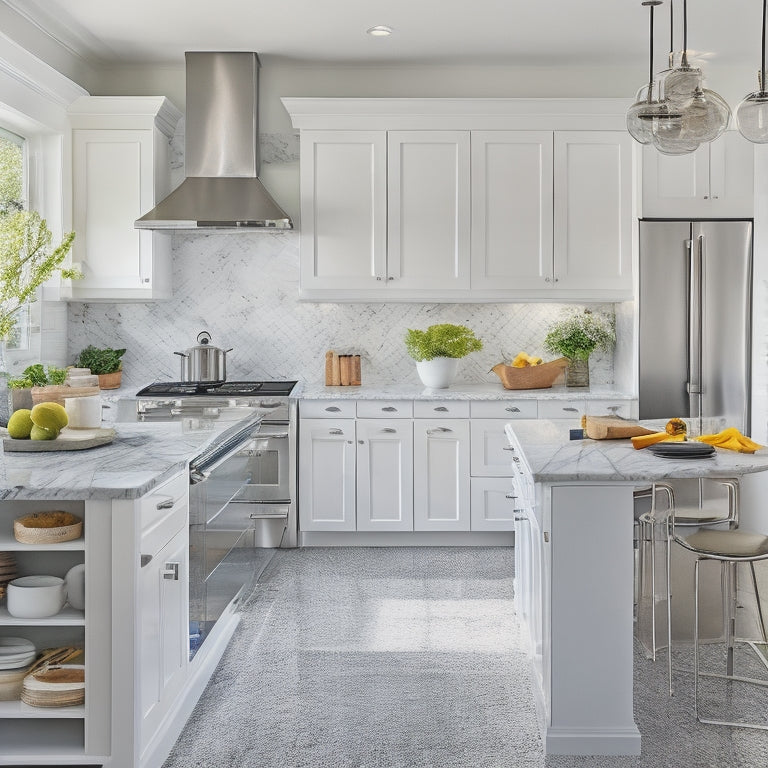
x=406, y=539
x=592, y=741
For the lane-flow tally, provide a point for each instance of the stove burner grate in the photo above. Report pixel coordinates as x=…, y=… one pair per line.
x=201, y=388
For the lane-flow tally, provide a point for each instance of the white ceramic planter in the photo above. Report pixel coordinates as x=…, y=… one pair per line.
x=439, y=372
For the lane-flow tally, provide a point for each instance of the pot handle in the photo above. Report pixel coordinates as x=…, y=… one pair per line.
x=181, y=354
x=206, y=335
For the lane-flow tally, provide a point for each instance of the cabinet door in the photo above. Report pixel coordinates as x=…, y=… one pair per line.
x=343, y=209
x=384, y=475
x=428, y=210
x=164, y=638
x=490, y=455
x=715, y=180
x=327, y=475
x=593, y=211
x=441, y=475
x=492, y=509
x=511, y=209
x=113, y=173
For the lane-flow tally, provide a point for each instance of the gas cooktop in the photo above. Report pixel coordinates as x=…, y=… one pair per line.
x=231, y=388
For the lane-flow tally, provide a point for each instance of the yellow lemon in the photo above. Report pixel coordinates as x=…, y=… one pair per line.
x=20, y=425
x=50, y=416
x=40, y=433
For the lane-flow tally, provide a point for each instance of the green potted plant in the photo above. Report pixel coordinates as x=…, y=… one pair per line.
x=437, y=351
x=105, y=363
x=37, y=375
x=576, y=336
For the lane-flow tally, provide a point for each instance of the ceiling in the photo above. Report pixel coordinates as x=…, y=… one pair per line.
x=425, y=32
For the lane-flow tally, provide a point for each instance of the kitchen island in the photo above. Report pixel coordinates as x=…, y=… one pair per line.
x=140, y=684
x=574, y=572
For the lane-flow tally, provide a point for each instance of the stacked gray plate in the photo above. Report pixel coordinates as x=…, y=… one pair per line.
x=16, y=652
x=687, y=450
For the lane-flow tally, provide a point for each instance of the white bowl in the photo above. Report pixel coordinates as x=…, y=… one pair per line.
x=36, y=597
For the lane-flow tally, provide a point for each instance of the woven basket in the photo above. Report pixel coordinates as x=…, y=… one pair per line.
x=47, y=527
x=55, y=686
x=532, y=376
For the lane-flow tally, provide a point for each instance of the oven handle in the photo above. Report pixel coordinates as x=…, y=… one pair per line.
x=201, y=467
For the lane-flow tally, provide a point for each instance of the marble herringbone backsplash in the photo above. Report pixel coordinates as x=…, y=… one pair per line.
x=243, y=289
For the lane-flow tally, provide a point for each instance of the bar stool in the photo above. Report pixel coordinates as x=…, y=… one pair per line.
x=704, y=511
x=729, y=548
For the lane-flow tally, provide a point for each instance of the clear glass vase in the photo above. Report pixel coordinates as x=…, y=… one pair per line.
x=577, y=373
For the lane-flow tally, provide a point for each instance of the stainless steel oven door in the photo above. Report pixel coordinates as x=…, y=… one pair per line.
x=267, y=459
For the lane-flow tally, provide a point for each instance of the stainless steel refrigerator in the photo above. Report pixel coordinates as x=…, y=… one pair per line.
x=695, y=321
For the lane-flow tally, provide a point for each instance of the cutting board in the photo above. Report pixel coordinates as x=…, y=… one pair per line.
x=613, y=428
x=68, y=440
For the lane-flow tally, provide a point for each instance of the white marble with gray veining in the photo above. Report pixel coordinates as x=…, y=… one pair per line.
x=553, y=458
x=141, y=457
x=463, y=391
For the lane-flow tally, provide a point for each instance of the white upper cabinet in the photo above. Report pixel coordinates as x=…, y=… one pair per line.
x=343, y=210
x=428, y=210
x=120, y=170
x=465, y=200
x=717, y=180
x=593, y=213
x=511, y=209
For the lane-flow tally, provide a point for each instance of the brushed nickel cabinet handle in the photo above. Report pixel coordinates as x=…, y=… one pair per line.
x=333, y=409
x=167, y=504
x=389, y=408
x=441, y=408
x=171, y=572
x=512, y=409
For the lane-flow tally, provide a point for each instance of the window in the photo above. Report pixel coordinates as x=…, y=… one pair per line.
x=12, y=196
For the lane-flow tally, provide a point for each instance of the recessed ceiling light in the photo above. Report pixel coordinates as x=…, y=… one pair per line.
x=379, y=31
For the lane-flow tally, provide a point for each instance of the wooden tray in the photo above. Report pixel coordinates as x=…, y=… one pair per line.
x=532, y=376
x=613, y=428
x=68, y=440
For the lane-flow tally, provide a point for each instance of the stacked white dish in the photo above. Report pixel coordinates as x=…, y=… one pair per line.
x=16, y=652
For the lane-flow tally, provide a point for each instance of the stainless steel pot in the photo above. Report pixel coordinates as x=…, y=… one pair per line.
x=203, y=362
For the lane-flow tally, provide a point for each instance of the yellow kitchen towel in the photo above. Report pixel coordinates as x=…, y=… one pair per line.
x=731, y=439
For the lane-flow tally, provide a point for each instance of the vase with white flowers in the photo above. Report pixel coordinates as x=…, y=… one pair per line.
x=576, y=336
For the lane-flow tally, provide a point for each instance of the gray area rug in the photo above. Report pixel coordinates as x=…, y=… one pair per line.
x=410, y=658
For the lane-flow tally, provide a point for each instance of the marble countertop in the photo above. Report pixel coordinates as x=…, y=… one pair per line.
x=141, y=457
x=552, y=457
x=458, y=391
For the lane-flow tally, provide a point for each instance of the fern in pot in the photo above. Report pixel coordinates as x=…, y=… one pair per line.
x=437, y=351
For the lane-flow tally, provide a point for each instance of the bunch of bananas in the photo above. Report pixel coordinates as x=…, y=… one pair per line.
x=523, y=360
x=731, y=439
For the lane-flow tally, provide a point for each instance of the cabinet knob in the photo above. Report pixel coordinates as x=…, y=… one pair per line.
x=390, y=278
x=546, y=536
x=171, y=572
x=441, y=408
x=547, y=279
x=377, y=277
x=362, y=442
x=706, y=197
x=512, y=409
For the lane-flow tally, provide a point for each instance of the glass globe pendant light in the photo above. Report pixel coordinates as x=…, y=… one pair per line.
x=646, y=110
x=705, y=114
x=752, y=113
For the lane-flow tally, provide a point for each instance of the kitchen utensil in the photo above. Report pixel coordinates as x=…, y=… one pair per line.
x=83, y=412
x=682, y=450
x=50, y=527
x=613, y=428
x=203, y=362
x=68, y=440
x=532, y=376
x=36, y=597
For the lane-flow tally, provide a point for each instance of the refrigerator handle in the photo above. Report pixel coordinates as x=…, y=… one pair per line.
x=695, y=258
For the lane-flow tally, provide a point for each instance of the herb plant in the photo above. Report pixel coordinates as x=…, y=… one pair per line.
x=100, y=360
x=579, y=334
x=442, y=340
x=38, y=376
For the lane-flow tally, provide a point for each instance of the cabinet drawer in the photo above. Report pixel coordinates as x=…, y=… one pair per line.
x=384, y=409
x=622, y=408
x=163, y=514
x=436, y=409
x=504, y=409
x=327, y=409
x=561, y=409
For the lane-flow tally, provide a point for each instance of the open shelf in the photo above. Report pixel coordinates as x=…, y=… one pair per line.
x=26, y=741
x=18, y=709
x=66, y=617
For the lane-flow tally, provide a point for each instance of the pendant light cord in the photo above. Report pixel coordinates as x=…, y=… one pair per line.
x=762, y=70
x=684, y=60
x=650, y=53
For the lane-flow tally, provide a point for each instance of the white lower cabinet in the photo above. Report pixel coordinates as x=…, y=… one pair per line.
x=491, y=507
x=164, y=638
x=384, y=475
x=441, y=475
x=327, y=474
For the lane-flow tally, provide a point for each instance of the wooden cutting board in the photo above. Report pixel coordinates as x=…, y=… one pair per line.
x=613, y=428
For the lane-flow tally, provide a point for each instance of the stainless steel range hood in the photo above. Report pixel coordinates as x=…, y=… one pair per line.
x=221, y=154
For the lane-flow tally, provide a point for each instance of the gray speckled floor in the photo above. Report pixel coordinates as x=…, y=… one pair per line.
x=408, y=658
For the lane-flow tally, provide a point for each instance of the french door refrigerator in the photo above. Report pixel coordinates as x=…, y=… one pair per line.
x=695, y=321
